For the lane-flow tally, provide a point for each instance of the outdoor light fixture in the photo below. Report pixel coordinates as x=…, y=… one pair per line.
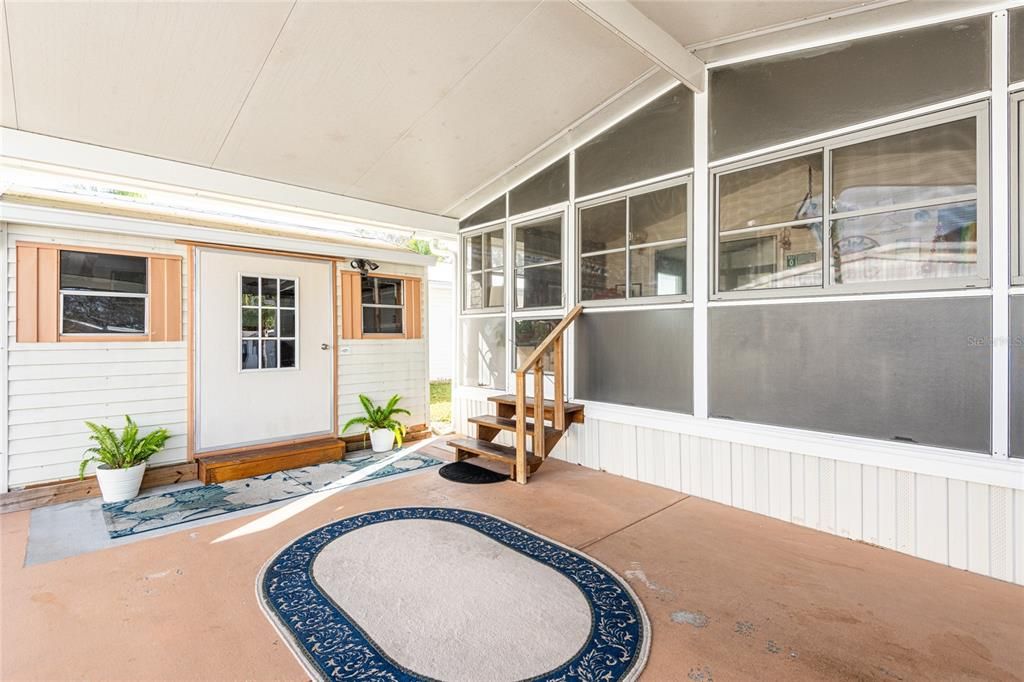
x=364, y=266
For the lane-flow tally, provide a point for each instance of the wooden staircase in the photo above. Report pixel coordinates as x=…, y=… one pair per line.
x=543, y=422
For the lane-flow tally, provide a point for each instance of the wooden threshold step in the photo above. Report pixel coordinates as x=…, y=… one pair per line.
x=474, y=447
x=509, y=424
x=256, y=461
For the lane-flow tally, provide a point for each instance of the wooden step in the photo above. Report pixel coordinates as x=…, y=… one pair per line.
x=256, y=461
x=474, y=447
x=507, y=406
x=509, y=424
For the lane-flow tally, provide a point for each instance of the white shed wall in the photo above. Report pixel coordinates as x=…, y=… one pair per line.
x=442, y=330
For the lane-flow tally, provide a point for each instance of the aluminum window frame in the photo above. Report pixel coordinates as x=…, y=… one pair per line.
x=980, y=111
x=525, y=219
x=628, y=193
x=259, y=339
x=1016, y=103
x=465, y=273
x=61, y=293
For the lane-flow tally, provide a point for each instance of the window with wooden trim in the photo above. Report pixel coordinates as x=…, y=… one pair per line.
x=380, y=306
x=86, y=294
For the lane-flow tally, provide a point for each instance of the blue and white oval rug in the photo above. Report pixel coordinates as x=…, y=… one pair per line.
x=430, y=593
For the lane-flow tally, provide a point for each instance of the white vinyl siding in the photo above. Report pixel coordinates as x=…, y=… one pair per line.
x=380, y=368
x=53, y=388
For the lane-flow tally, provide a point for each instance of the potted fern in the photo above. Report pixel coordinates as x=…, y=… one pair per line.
x=122, y=458
x=380, y=422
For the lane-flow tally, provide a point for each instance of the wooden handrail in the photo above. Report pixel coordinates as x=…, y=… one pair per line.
x=535, y=363
x=539, y=351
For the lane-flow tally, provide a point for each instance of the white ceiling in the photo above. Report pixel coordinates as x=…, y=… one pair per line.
x=413, y=104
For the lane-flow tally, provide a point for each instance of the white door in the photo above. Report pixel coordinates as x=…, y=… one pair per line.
x=264, y=354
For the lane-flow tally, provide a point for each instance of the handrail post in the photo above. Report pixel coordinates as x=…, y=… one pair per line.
x=559, y=408
x=521, y=471
x=538, y=409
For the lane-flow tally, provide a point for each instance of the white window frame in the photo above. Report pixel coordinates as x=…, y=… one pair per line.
x=391, y=306
x=465, y=273
x=1016, y=191
x=259, y=318
x=105, y=294
x=522, y=220
x=982, y=279
x=629, y=247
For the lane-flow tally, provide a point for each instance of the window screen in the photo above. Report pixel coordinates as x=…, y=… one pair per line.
x=1017, y=45
x=546, y=188
x=642, y=358
x=102, y=293
x=529, y=335
x=813, y=91
x=484, y=274
x=652, y=142
x=1017, y=376
x=916, y=371
x=484, y=357
x=488, y=214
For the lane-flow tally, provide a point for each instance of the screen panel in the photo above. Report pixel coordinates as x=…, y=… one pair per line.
x=488, y=214
x=1017, y=45
x=654, y=141
x=917, y=371
x=816, y=90
x=642, y=358
x=546, y=188
x=484, y=360
x=1017, y=376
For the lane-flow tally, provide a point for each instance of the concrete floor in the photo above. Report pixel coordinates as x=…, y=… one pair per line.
x=731, y=595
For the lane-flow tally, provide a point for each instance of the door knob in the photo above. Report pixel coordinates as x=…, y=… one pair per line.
x=324, y=346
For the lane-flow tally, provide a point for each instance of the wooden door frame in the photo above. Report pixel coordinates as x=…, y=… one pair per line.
x=192, y=251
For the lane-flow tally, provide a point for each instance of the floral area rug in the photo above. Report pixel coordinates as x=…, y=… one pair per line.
x=191, y=504
x=433, y=593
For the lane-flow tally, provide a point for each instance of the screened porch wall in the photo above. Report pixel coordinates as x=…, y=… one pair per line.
x=872, y=411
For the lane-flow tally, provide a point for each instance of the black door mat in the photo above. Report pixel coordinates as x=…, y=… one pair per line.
x=464, y=472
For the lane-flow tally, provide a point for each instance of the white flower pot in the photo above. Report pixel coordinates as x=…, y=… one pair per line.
x=382, y=440
x=118, y=485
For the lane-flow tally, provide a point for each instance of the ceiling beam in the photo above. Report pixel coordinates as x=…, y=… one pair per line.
x=636, y=30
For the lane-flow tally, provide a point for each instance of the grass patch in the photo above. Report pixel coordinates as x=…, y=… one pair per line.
x=440, y=401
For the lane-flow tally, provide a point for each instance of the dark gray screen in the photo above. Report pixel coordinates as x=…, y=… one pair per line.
x=1017, y=44
x=918, y=370
x=489, y=213
x=550, y=186
x=770, y=101
x=642, y=358
x=654, y=141
x=1017, y=376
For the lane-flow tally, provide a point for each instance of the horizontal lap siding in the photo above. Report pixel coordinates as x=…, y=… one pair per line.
x=970, y=526
x=54, y=388
x=380, y=368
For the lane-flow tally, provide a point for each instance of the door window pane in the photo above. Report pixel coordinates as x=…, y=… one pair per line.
x=539, y=287
x=603, y=277
x=917, y=166
x=263, y=321
x=779, y=192
x=603, y=227
x=81, y=271
x=658, y=270
x=771, y=259
x=103, y=314
x=925, y=243
x=658, y=216
x=529, y=335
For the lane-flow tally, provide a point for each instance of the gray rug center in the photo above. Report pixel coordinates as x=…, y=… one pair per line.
x=447, y=602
